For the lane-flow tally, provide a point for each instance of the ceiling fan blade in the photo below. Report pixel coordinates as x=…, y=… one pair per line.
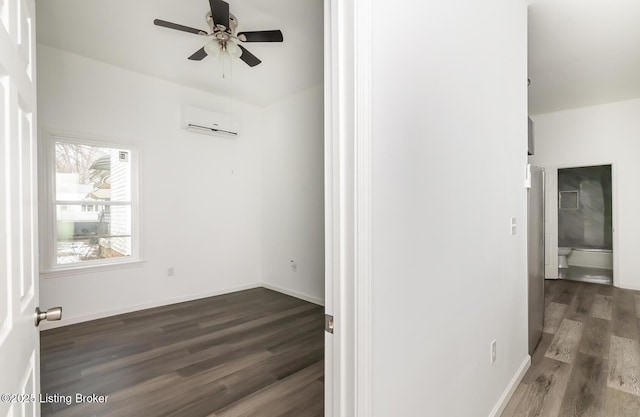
x=249, y=58
x=220, y=13
x=176, y=26
x=198, y=55
x=261, y=36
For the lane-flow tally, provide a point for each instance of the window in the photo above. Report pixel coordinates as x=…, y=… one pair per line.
x=92, y=190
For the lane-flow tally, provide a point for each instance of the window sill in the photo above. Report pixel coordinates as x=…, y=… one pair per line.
x=88, y=269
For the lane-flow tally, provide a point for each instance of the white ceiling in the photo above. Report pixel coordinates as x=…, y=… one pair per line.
x=122, y=33
x=583, y=52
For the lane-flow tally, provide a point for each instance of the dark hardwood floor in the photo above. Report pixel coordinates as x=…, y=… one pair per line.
x=588, y=361
x=250, y=353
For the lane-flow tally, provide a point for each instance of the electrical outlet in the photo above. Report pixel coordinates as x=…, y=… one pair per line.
x=294, y=265
x=514, y=225
x=171, y=271
x=493, y=351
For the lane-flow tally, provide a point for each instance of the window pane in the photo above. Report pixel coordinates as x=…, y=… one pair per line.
x=89, y=235
x=92, y=173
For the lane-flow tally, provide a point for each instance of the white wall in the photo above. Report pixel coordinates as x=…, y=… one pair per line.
x=201, y=194
x=449, y=153
x=598, y=135
x=293, y=195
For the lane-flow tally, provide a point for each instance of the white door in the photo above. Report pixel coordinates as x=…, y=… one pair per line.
x=19, y=339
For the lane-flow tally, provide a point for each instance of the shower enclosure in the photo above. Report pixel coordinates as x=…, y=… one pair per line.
x=585, y=221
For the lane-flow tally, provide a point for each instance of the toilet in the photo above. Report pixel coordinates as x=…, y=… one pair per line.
x=562, y=257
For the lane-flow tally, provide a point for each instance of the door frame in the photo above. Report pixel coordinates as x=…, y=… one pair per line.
x=551, y=209
x=348, y=229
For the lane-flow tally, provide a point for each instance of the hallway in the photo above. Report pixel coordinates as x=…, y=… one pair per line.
x=588, y=360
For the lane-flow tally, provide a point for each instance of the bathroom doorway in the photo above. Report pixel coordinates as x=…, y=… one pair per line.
x=585, y=224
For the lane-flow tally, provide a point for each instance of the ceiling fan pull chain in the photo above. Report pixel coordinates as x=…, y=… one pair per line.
x=231, y=83
x=221, y=57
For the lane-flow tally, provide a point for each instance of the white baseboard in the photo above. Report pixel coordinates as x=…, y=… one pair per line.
x=625, y=286
x=511, y=388
x=295, y=294
x=46, y=325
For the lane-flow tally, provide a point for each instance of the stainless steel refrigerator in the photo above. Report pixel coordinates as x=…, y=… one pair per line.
x=535, y=254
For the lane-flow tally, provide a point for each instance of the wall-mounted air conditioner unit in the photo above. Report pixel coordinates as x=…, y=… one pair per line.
x=210, y=123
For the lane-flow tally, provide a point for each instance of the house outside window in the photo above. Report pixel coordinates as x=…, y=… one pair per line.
x=91, y=189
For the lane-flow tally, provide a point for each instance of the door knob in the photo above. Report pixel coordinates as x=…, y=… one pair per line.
x=52, y=314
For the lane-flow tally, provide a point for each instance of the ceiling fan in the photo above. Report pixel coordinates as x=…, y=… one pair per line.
x=222, y=28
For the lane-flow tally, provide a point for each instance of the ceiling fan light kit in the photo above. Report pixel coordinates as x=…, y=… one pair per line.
x=214, y=49
x=222, y=28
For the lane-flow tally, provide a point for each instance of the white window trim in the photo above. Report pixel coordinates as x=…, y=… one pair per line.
x=48, y=232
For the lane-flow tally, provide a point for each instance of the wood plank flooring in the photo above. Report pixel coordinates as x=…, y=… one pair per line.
x=250, y=353
x=588, y=361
